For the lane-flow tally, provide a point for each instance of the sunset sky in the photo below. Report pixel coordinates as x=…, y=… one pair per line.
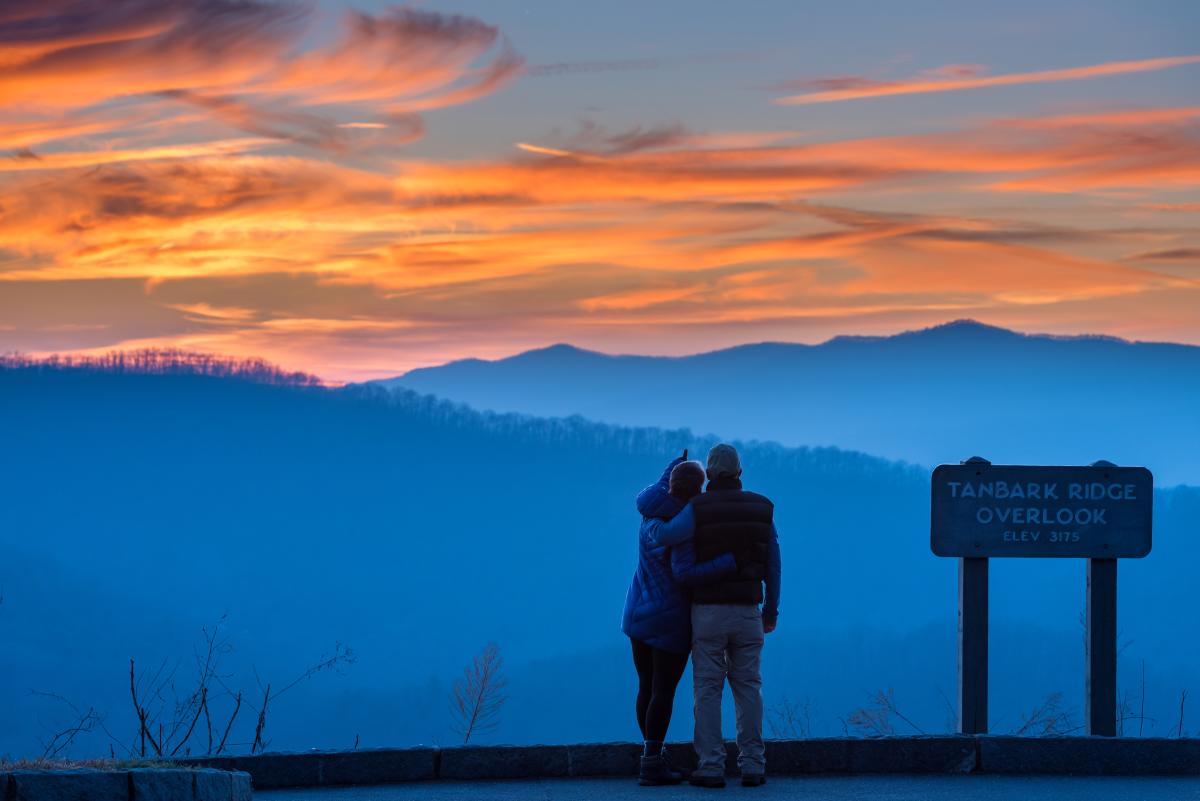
x=356, y=188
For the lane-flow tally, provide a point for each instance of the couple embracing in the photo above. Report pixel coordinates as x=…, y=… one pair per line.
x=704, y=556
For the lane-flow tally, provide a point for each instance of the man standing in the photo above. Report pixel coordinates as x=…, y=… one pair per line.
x=727, y=624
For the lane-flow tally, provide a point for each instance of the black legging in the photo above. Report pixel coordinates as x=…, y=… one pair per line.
x=659, y=673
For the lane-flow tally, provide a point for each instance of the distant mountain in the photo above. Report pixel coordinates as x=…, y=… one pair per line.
x=931, y=396
x=135, y=508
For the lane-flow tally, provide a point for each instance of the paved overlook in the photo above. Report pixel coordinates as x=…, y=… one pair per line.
x=825, y=788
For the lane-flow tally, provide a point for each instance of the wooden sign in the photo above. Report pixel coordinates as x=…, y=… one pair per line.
x=984, y=510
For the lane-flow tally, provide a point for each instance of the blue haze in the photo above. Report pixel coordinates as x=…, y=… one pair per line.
x=138, y=508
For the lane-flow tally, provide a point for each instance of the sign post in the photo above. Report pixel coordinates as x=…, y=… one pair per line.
x=973, y=645
x=1100, y=513
x=1102, y=647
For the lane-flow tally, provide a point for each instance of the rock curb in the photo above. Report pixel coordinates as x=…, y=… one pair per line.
x=133, y=784
x=833, y=755
x=1090, y=756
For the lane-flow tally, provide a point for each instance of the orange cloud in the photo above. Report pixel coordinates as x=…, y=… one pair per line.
x=1180, y=207
x=1068, y=153
x=62, y=160
x=166, y=214
x=634, y=299
x=248, y=65
x=654, y=237
x=956, y=78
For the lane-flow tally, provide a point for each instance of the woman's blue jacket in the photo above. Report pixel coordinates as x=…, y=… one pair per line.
x=658, y=609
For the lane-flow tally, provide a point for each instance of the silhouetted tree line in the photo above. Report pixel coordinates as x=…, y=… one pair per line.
x=582, y=433
x=574, y=431
x=165, y=361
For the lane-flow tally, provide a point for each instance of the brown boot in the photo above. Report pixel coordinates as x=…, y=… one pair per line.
x=655, y=772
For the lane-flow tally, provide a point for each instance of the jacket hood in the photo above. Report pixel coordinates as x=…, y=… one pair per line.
x=655, y=501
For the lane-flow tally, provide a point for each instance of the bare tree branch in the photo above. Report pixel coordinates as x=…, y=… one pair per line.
x=262, y=720
x=195, y=719
x=951, y=711
x=208, y=725
x=236, y=708
x=341, y=656
x=141, y=714
x=790, y=720
x=1142, y=714
x=62, y=740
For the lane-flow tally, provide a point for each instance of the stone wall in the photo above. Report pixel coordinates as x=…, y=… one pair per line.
x=835, y=755
x=136, y=784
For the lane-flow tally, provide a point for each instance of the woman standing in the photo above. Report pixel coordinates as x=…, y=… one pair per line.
x=658, y=618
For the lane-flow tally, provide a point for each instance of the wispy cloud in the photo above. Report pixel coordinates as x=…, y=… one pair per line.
x=958, y=77
x=1189, y=255
x=266, y=68
x=586, y=67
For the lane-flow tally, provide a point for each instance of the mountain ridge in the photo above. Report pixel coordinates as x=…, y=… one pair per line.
x=928, y=397
x=958, y=328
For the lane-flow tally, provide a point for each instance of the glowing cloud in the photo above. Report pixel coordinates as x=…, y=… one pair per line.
x=243, y=65
x=956, y=78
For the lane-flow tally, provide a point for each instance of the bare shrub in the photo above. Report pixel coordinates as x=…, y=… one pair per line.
x=81, y=722
x=1125, y=710
x=790, y=720
x=876, y=718
x=335, y=661
x=1048, y=718
x=168, y=719
x=167, y=725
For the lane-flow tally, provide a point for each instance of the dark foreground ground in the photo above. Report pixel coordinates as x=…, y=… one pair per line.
x=838, y=788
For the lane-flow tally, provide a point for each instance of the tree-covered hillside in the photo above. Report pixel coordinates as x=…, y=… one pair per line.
x=138, y=507
x=937, y=395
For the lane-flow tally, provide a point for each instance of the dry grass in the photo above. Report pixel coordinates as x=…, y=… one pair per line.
x=79, y=764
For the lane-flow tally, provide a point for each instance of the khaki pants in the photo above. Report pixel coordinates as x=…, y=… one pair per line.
x=727, y=642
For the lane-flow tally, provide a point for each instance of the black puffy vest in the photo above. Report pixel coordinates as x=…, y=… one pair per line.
x=731, y=520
